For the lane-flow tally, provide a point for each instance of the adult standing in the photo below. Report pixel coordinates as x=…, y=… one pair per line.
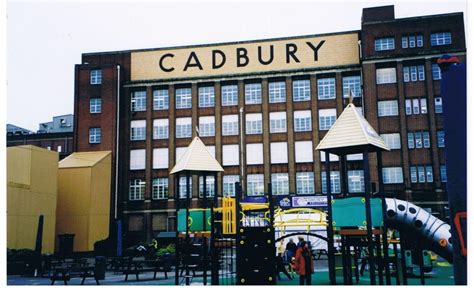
x=304, y=263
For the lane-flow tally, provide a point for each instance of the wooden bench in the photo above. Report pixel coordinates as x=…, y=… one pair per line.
x=65, y=270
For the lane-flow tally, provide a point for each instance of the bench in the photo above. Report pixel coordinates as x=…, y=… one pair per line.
x=65, y=270
x=137, y=267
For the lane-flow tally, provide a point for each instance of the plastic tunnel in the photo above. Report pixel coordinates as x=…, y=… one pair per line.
x=410, y=218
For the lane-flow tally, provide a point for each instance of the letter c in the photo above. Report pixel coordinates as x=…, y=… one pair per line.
x=169, y=55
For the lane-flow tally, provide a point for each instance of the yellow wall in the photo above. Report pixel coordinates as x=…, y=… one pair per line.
x=84, y=202
x=31, y=192
x=337, y=50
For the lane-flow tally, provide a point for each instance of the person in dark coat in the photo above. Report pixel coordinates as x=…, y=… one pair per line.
x=304, y=263
x=290, y=249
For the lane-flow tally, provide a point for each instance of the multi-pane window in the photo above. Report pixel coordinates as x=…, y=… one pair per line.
x=305, y=183
x=255, y=185
x=138, y=101
x=429, y=173
x=160, y=188
x=161, y=129
x=137, y=159
x=302, y=121
x=230, y=155
x=183, y=188
x=210, y=187
x=392, y=140
x=254, y=153
x=355, y=179
x=279, y=152
x=412, y=41
x=327, y=88
x=413, y=73
x=419, y=140
x=327, y=117
x=207, y=126
x=96, y=77
x=160, y=158
x=416, y=106
x=280, y=184
x=440, y=136
x=253, y=93
x=413, y=174
x=301, y=90
x=228, y=184
x=206, y=96
x=436, y=72
x=277, y=91
x=351, y=84
x=440, y=39
x=137, y=130
x=387, y=108
x=384, y=44
x=229, y=95
x=278, y=122
x=94, y=135
x=230, y=125
x=443, y=174
x=335, y=182
x=386, y=75
x=183, y=128
x=183, y=98
x=303, y=151
x=392, y=175
x=438, y=105
x=161, y=99
x=136, y=190
x=253, y=124
x=95, y=105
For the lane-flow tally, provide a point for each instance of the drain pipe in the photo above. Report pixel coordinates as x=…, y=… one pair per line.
x=117, y=143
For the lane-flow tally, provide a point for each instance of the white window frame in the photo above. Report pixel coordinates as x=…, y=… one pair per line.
x=138, y=101
x=280, y=184
x=96, y=77
x=278, y=152
x=392, y=175
x=183, y=98
x=436, y=72
x=384, y=44
x=183, y=127
x=229, y=95
x=253, y=124
x=136, y=190
x=303, y=151
x=278, y=122
x=255, y=185
x=438, y=101
x=301, y=90
x=210, y=186
x=351, y=83
x=392, y=140
x=327, y=118
x=355, y=181
x=230, y=155
x=335, y=182
x=386, y=75
x=95, y=105
x=302, y=121
x=160, y=188
x=206, y=96
x=305, y=183
x=387, y=108
x=160, y=129
x=254, y=153
x=230, y=125
x=137, y=159
x=228, y=184
x=161, y=99
x=253, y=93
x=276, y=91
x=207, y=126
x=160, y=158
x=440, y=138
x=441, y=39
x=327, y=88
x=138, y=130
x=95, y=135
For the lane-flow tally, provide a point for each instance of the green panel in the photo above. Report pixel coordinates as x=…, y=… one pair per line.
x=426, y=258
x=408, y=259
x=350, y=212
x=196, y=220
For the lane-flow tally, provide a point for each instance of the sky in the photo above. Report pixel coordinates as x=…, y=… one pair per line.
x=46, y=39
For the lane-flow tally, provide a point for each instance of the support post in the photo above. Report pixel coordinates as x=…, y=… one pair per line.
x=368, y=216
x=188, y=202
x=330, y=230
x=386, y=258
x=177, y=249
x=204, y=245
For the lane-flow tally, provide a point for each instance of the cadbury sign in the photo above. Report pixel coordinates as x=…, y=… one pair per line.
x=246, y=58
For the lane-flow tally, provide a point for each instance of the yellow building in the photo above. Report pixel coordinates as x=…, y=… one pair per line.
x=32, y=174
x=84, y=180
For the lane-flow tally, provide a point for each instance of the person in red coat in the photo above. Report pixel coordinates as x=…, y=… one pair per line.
x=304, y=263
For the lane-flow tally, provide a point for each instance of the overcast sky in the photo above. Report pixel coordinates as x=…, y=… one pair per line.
x=45, y=40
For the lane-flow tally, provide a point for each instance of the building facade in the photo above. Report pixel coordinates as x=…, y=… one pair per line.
x=261, y=107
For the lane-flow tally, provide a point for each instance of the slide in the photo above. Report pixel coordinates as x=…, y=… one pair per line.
x=410, y=218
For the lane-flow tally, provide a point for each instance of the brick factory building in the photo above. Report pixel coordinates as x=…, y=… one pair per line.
x=262, y=107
